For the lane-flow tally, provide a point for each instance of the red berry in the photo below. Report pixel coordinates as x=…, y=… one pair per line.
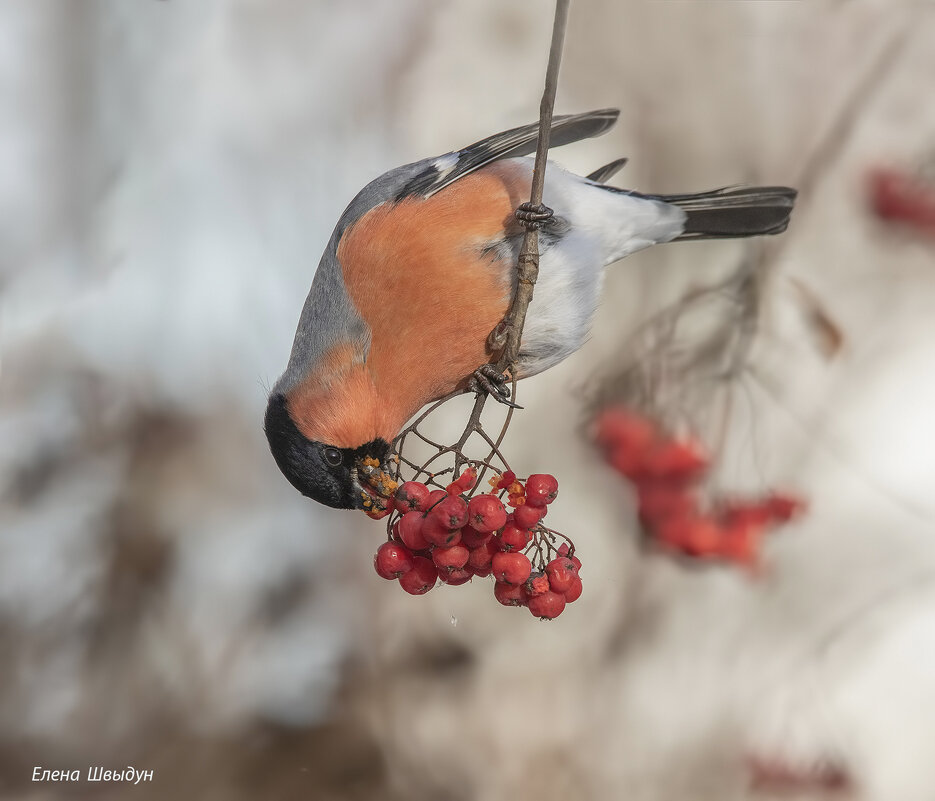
x=527, y=515
x=410, y=531
x=674, y=459
x=456, y=577
x=573, y=593
x=674, y=530
x=630, y=464
x=378, y=514
x=626, y=438
x=541, y=489
x=509, y=594
x=453, y=558
x=472, y=538
x=411, y=495
x=739, y=543
x=511, y=568
x=623, y=429
x=513, y=538
x=564, y=550
x=661, y=499
x=900, y=195
x=432, y=500
x=702, y=537
x=548, y=605
x=464, y=483
x=481, y=557
x=561, y=573
x=437, y=534
x=421, y=578
x=744, y=513
x=784, y=507
x=536, y=585
x=506, y=479
x=392, y=560
x=451, y=513
x=486, y=513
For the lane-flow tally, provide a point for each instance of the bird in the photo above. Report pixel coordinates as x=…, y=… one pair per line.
x=420, y=268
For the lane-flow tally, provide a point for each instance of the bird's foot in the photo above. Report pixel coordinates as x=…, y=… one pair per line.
x=489, y=379
x=533, y=217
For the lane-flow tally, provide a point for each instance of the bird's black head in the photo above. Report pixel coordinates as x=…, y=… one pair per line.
x=322, y=472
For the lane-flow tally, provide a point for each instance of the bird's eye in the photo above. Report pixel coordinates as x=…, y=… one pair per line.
x=333, y=457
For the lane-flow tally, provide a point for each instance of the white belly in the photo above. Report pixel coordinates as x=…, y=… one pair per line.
x=602, y=227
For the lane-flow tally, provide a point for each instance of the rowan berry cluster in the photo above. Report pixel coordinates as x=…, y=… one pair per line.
x=452, y=535
x=667, y=473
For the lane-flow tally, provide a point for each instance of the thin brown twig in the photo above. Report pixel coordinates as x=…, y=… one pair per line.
x=495, y=450
x=528, y=270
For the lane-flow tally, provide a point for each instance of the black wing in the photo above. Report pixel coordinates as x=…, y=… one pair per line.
x=447, y=169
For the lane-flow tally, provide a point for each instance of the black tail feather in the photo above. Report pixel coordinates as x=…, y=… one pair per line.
x=734, y=212
x=608, y=171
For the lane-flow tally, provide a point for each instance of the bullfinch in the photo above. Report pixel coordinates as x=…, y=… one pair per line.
x=421, y=267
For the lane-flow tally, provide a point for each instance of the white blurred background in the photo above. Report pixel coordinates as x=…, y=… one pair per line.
x=169, y=175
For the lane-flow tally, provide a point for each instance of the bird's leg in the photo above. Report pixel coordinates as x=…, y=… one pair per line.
x=533, y=216
x=488, y=379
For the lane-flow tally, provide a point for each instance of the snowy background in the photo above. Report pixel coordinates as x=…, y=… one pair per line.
x=169, y=175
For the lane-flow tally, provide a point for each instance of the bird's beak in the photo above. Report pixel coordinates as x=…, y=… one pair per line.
x=374, y=482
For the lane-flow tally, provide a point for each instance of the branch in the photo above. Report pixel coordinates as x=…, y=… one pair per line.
x=528, y=269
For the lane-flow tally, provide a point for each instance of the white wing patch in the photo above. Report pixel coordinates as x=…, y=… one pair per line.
x=445, y=164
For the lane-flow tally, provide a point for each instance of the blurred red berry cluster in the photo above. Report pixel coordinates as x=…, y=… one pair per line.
x=667, y=474
x=451, y=535
x=900, y=196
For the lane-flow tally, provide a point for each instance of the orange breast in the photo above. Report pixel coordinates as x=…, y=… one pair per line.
x=417, y=273
x=338, y=404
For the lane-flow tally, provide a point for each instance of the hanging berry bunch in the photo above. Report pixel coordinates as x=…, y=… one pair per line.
x=668, y=474
x=677, y=376
x=452, y=532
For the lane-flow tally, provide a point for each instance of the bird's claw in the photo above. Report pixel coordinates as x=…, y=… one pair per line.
x=490, y=380
x=533, y=217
